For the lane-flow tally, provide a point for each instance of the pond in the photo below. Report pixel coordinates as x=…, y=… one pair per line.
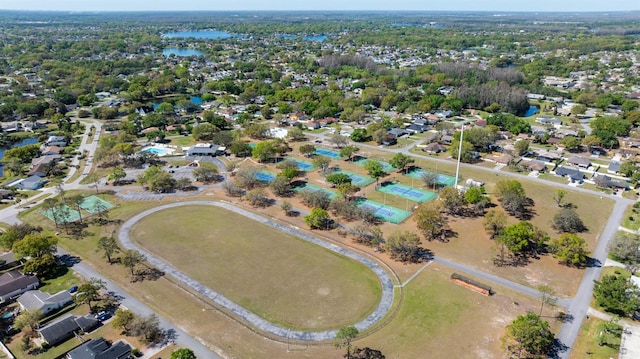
x=532, y=111
x=181, y=52
x=26, y=141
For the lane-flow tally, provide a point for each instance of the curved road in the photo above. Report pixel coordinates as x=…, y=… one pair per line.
x=386, y=300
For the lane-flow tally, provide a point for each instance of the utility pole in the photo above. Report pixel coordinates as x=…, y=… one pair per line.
x=459, y=156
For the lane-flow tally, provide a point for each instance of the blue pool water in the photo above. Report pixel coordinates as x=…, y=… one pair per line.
x=196, y=100
x=181, y=52
x=155, y=150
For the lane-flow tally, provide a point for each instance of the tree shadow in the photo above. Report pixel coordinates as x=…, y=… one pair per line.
x=593, y=263
x=557, y=348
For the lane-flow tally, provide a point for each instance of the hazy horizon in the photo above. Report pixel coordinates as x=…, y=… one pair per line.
x=327, y=5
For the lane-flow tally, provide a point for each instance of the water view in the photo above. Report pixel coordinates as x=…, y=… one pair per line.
x=181, y=52
x=26, y=141
x=204, y=34
x=319, y=38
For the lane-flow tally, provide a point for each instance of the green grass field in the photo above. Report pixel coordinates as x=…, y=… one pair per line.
x=281, y=278
x=588, y=342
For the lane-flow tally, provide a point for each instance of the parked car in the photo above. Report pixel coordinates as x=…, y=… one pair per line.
x=102, y=316
x=73, y=289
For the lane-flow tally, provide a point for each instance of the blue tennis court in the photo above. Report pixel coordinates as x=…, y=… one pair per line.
x=385, y=166
x=384, y=212
x=356, y=179
x=325, y=152
x=302, y=165
x=441, y=179
x=414, y=194
x=311, y=187
x=264, y=176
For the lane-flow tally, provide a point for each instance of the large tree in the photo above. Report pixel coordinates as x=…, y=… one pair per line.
x=616, y=294
x=568, y=220
x=318, y=219
x=400, y=161
x=374, y=169
x=108, y=245
x=130, y=259
x=206, y=172
x=183, y=353
x=529, y=333
x=453, y=200
x=570, y=249
x=512, y=196
x=348, y=151
x=494, y=222
x=431, y=221
x=403, y=246
x=90, y=292
x=624, y=248
x=344, y=337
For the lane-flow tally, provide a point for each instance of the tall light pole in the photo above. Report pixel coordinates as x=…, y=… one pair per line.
x=459, y=156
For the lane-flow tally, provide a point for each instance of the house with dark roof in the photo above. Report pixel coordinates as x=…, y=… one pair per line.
x=397, y=132
x=101, y=349
x=205, y=149
x=65, y=328
x=14, y=283
x=8, y=260
x=608, y=182
x=546, y=156
x=44, y=302
x=574, y=175
x=416, y=128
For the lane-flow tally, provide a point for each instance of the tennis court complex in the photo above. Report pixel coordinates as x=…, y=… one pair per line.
x=62, y=214
x=414, y=194
x=385, y=165
x=302, y=165
x=356, y=179
x=264, y=176
x=311, y=187
x=442, y=179
x=94, y=204
x=325, y=152
x=384, y=212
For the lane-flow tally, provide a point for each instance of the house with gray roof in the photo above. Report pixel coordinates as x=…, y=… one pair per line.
x=44, y=302
x=579, y=161
x=205, y=149
x=14, y=283
x=65, y=328
x=101, y=349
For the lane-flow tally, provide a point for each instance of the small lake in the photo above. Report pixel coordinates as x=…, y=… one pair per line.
x=181, y=52
x=204, y=34
x=26, y=141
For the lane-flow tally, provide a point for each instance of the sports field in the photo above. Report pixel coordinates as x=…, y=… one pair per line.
x=283, y=279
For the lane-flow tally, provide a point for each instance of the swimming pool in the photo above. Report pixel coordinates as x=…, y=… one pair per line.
x=159, y=151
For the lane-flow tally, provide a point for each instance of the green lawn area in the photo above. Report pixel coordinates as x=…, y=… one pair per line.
x=63, y=282
x=631, y=219
x=283, y=279
x=183, y=141
x=588, y=342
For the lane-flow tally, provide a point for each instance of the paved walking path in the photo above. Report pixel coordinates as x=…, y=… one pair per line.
x=386, y=300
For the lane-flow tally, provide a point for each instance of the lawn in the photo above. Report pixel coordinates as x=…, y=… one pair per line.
x=631, y=218
x=63, y=282
x=281, y=278
x=588, y=342
x=183, y=141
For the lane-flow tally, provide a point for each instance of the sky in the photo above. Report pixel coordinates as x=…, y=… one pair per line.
x=226, y=5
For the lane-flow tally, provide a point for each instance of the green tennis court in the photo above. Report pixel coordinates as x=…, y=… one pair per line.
x=62, y=214
x=311, y=187
x=414, y=194
x=95, y=204
x=384, y=212
x=442, y=179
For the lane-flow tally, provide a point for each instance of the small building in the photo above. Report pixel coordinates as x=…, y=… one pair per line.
x=8, y=260
x=608, y=182
x=14, y=283
x=574, y=175
x=65, y=328
x=397, y=132
x=534, y=165
x=614, y=167
x=579, y=161
x=52, y=150
x=546, y=156
x=39, y=170
x=45, y=159
x=101, y=349
x=59, y=141
x=434, y=147
x=30, y=183
x=44, y=302
x=205, y=149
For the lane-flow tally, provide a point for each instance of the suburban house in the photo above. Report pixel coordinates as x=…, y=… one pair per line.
x=550, y=121
x=608, y=182
x=579, y=161
x=614, y=167
x=397, y=132
x=574, y=175
x=534, y=165
x=44, y=302
x=52, y=150
x=205, y=149
x=39, y=170
x=30, y=183
x=59, y=141
x=65, y=328
x=14, y=283
x=416, y=128
x=8, y=260
x=546, y=156
x=434, y=147
x=101, y=349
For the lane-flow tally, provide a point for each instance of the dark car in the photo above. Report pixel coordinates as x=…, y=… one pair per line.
x=73, y=289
